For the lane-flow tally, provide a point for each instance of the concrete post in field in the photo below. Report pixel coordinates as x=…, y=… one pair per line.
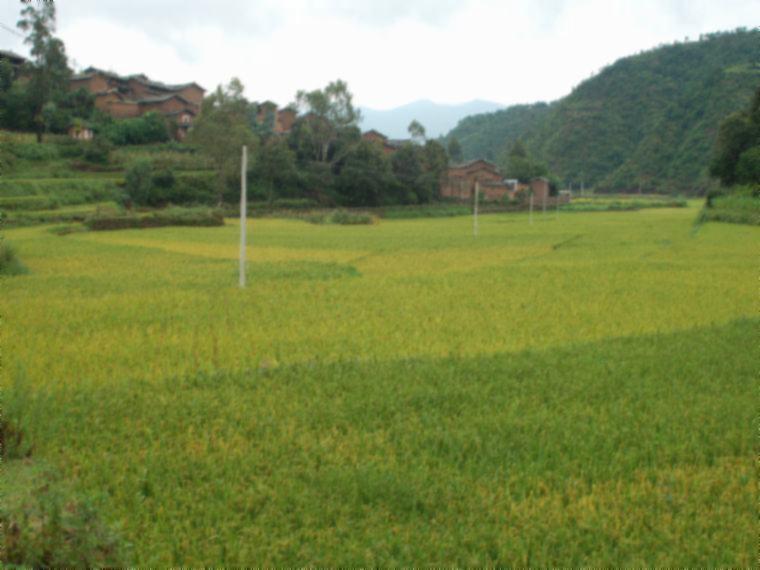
x=544, y=203
x=530, y=214
x=243, y=212
x=475, y=210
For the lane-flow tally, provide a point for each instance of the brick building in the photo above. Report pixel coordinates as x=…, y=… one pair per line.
x=389, y=146
x=17, y=61
x=134, y=95
x=280, y=120
x=461, y=178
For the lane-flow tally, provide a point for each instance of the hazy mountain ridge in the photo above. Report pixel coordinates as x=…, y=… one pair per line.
x=437, y=118
x=647, y=120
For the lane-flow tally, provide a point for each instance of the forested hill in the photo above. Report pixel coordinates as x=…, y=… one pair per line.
x=646, y=121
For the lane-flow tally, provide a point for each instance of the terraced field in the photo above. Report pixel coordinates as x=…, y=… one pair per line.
x=577, y=391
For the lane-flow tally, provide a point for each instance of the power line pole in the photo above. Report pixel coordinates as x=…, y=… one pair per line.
x=530, y=214
x=243, y=212
x=475, y=210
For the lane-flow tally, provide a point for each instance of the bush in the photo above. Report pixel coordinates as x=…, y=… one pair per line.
x=35, y=151
x=9, y=262
x=139, y=183
x=98, y=151
x=51, y=193
x=46, y=525
x=28, y=203
x=150, y=128
x=161, y=218
x=342, y=217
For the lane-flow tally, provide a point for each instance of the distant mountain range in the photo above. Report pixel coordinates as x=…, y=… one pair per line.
x=647, y=121
x=437, y=119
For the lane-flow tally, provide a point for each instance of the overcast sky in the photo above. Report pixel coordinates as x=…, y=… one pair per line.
x=390, y=52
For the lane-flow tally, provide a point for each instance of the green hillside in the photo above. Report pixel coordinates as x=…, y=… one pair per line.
x=647, y=120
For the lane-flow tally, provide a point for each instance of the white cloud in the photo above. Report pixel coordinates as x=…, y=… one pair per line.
x=390, y=52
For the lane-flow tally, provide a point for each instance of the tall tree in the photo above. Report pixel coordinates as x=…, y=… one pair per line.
x=416, y=131
x=328, y=112
x=455, y=150
x=49, y=72
x=737, y=149
x=222, y=129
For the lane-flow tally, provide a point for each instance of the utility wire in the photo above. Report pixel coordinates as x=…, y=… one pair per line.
x=10, y=30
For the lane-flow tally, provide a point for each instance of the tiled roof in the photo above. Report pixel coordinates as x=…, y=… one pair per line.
x=12, y=56
x=473, y=162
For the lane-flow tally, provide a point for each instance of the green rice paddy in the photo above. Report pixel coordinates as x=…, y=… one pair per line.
x=580, y=391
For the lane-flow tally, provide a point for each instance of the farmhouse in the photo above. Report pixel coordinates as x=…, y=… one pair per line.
x=280, y=120
x=17, y=61
x=389, y=146
x=460, y=181
x=134, y=95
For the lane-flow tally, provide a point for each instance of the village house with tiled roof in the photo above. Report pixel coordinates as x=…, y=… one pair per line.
x=134, y=95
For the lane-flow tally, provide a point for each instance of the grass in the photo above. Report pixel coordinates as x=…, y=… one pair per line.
x=574, y=392
x=733, y=210
x=621, y=202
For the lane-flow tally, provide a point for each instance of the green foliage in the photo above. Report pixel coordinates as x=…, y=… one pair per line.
x=577, y=392
x=139, y=184
x=48, y=72
x=46, y=525
x=736, y=158
x=174, y=216
x=364, y=176
x=62, y=192
x=149, y=128
x=742, y=206
x=274, y=170
x=621, y=204
x=9, y=265
x=220, y=132
x=98, y=151
x=342, y=218
x=454, y=149
x=519, y=166
x=646, y=121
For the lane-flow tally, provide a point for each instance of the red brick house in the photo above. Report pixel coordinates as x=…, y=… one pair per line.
x=389, y=146
x=282, y=120
x=461, y=178
x=135, y=95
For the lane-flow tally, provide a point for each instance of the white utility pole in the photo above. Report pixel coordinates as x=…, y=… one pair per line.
x=530, y=215
x=475, y=211
x=243, y=212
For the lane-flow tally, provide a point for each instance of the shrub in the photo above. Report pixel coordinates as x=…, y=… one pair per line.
x=46, y=525
x=98, y=151
x=139, y=183
x=9, y=262
x=161, y=218
x=342, y=217
x=28, y=203
x=35, y=151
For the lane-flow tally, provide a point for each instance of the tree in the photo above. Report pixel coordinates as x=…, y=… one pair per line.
x=49, y=72
x=416, y=131
x=274, y=168
x=407, y=167
x=435, y=164
x=455, y=150
x=221, y=130
x=327, y=111
x=364, y=177
x=518, y=165
x=734, y=156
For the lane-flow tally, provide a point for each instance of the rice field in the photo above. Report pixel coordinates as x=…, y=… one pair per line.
x=579, y=391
